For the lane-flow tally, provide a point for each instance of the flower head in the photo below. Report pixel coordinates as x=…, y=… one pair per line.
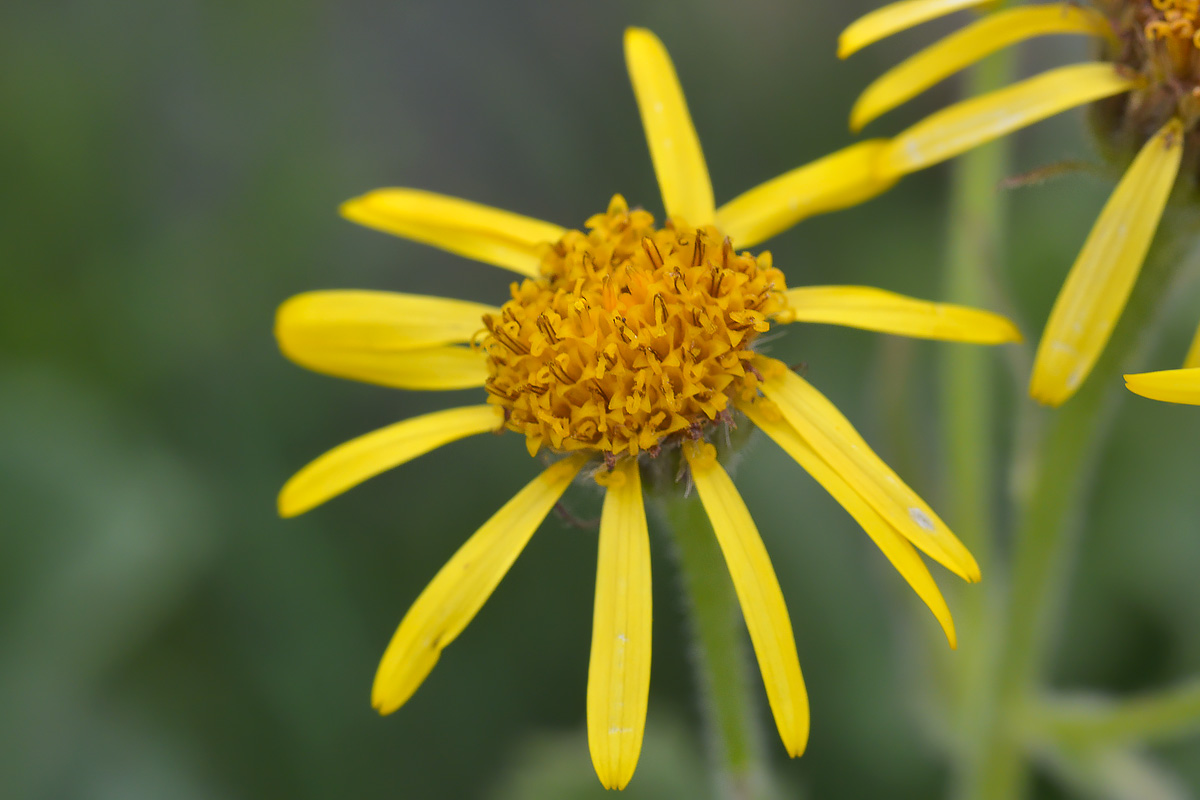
x=1145, y=91
x=624, y=346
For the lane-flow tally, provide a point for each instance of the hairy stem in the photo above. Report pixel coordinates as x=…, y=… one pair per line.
x=1051, y=505
x=968, y=389
x=720, y=652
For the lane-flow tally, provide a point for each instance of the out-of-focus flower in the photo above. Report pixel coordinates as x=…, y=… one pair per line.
x=1145, y=87
x=622, y=353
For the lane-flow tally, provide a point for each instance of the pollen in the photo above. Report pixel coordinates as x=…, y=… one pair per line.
x=633, y=337
x=1174, y=19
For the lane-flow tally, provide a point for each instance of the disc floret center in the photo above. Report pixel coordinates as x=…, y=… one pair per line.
x=633, y=336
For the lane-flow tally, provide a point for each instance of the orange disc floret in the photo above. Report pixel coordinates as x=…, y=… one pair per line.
x=632, y=335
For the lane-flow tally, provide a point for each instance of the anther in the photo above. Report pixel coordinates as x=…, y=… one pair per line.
x=660, y=310
x=718, y=276
x=652, y=251
x=547, y=329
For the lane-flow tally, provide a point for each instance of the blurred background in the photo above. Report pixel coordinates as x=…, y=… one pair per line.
x=170, y=172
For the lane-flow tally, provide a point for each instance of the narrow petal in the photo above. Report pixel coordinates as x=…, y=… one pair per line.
x=832, y=436
x=1170, y=386
x=619, y=672
x=349, y=464
x=674, y=147
x=964, y=48
x=893, y=18
x=483, y=233
x=877, y=310
x=973, y=122
x=459, y=590
x=894, y=546
x=759, y=595
x=1094, y=295
x=376, y=321
x=436, y=368
x=841, y=179
x=1193, y=356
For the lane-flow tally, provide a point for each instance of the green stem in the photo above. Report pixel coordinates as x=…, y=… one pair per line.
x=1048, y=531
x=968, y=389
x=1099, y=722
x=974, y=251
x=721, y=655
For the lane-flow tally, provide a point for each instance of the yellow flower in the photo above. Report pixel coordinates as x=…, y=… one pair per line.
x=624, y=347
x=1174, y=385
x=1148, y=52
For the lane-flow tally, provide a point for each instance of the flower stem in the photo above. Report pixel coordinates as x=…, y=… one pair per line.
x=1051, y=505
x=968, y=381
x=973, y=252
x=1098, y=722
x=721, y=655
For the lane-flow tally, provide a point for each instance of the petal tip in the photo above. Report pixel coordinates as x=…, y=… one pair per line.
x=951, y=636
x=355, y=209
x=861, y=114
x=799, y=744
x=286, y=508
x=846, y=47
x=1047, y=396
x=383, y=700
x=635, y=35
x=291, y=502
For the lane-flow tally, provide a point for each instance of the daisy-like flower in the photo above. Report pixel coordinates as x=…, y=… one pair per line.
x=1145, y=85
x=622, y=351
x=1172, y=385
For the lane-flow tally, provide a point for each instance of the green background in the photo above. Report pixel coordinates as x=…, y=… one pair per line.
x=170, y=172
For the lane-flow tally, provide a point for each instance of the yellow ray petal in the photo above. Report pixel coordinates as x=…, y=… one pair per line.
x=844, y=178
x=968, y=124
x=349, y=464
x=833, y=438
x=436, y=368
x=878, y=310
x=1094, y=295
x=483, y=233
x=619, y=671
x=376, y=321
x=962, y=49
x=674, y=147
x=461, y=587
x=1170, y=386
x=1193, y=356
x=893, y=18
x=759, y=595
x=894, y=546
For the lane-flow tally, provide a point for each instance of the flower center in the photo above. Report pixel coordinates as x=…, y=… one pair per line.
x=1172, y=20
x=1158, y=41
x=633, y=337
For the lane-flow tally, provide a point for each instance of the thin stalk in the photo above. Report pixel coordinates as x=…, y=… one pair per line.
x=1050, y=522
x=968, y=392
x=1089, y=722
x=721, y=656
